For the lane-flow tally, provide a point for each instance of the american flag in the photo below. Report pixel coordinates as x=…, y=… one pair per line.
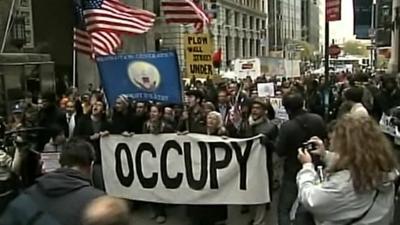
x=114, y=16
x=82, y=40
x=185, y=12
x=100, y=23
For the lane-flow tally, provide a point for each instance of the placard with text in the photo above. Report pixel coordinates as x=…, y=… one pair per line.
x=186, y=169
x=199, y=49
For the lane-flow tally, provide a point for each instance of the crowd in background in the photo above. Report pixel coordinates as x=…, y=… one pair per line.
x=223, y=108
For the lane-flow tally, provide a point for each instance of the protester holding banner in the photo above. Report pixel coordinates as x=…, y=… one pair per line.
x=210, y=214
x=359, y=187
x=193, y=119
x=223, y=105
x=122, y=117
x=261, y=122
x=208, y=107
x=155, y=125
x=169, y=117
x=140, y=116
x=91, y=128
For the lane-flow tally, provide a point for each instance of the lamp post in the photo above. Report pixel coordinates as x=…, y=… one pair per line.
x=18, y=32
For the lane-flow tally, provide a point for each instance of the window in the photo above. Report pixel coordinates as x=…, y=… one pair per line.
x=227, y=47
x=156, y=7
x=258, y=46
x=25, y=3
x=227, y=17
x=251, y=22
x=244, y=21
x=262, y=6
x=237, y=47
x=158, y=44
x=251, y=47
x=257, y=24
x=237, y=19
x=263, y=24
x=244, y=47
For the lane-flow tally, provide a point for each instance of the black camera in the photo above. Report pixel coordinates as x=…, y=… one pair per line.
x=312, y=146
x=309, y=146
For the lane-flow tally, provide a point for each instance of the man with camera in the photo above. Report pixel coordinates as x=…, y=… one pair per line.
x=292, y=135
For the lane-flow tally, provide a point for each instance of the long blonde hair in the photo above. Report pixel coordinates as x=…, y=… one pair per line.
x=363, y=150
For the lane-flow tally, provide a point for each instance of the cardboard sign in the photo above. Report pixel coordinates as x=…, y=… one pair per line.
x=199, y=50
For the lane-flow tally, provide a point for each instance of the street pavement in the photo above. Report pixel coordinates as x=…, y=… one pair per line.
x=176, y=216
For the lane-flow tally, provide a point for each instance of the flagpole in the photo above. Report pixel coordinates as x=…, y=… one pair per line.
x=10, y=15
x=74, y=68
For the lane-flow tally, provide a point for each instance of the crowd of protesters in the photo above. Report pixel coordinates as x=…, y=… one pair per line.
x=229, y=109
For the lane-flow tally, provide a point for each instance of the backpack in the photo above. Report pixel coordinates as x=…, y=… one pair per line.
x=24, y=211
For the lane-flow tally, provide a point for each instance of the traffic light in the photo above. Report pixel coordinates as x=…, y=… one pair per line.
x=214, y=8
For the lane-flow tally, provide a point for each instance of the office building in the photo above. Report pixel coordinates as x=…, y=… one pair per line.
x=310, y=26
x=284, y=23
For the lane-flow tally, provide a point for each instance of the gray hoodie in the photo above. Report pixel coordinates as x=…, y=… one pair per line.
x=335, y=202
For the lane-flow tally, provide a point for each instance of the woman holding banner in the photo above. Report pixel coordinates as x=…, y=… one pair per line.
x=210, y=214
x=155, y=125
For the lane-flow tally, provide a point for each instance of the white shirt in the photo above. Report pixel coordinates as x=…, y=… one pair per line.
x=71, y=124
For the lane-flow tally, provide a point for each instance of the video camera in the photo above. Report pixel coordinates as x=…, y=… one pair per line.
x=24, y=139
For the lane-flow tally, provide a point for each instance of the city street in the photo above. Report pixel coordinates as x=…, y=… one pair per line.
x=177, y=216
x=178, y=112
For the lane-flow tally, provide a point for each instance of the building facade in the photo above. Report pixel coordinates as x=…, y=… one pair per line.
x=22, y=8
x=321, y=22
x=240, y=30
x=285, y=23
x=310, y=25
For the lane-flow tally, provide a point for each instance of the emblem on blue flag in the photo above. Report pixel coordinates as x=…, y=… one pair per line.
x=143, y=77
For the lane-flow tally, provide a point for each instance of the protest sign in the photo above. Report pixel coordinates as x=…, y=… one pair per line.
x=144, y=77
x=266, y=89
x=386, y=125
x=199, y=50
x=280, y=111
x=185, y=169
x=247, y=68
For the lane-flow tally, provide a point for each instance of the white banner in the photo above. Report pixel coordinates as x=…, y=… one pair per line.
x=185, y=169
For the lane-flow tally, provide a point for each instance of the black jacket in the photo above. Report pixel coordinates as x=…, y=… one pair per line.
x=122, y=122
x=84, y=129
x=293, y=134
x=62, y=194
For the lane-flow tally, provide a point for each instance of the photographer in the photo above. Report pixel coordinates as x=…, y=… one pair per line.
x=359, y=188
x=10, y=170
